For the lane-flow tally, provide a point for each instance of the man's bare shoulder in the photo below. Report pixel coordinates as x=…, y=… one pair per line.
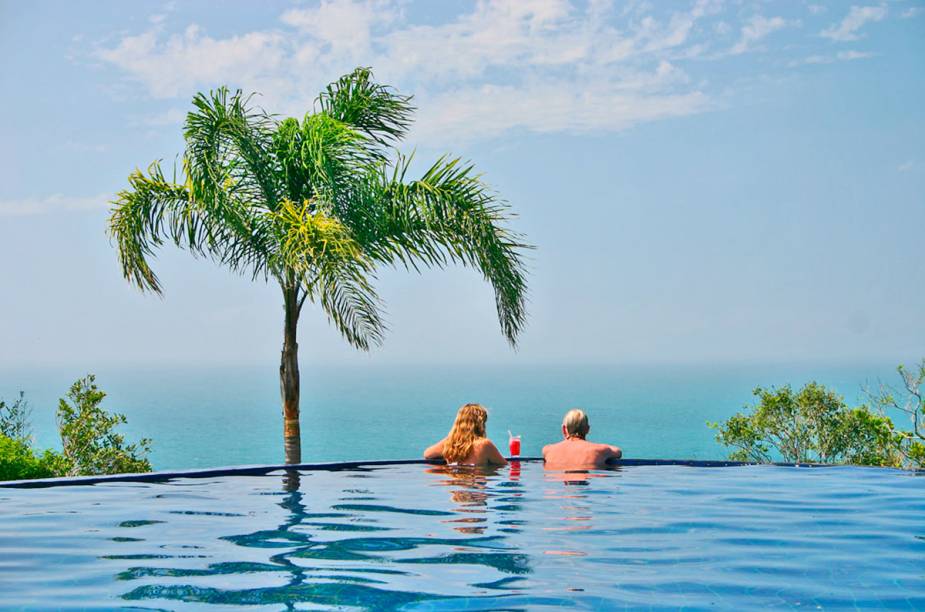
x=552, y=447
x=608, y=450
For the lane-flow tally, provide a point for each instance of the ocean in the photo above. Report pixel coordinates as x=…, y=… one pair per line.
x=221, y=416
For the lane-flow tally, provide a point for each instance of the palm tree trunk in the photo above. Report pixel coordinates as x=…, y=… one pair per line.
x=289, y=378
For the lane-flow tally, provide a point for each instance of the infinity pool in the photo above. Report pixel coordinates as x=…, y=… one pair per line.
x=421, y=537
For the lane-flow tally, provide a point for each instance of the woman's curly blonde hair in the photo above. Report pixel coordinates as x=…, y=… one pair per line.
x=469, y=425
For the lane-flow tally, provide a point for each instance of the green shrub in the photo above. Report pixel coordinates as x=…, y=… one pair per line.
x=812, y=425
x=14, y=418
x=867, y=438
x=19, y=462
x=908, y=399
x=89, y=441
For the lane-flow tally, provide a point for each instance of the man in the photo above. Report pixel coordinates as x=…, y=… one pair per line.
x=575, y=452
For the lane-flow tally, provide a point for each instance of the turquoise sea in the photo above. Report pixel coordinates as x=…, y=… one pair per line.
x=219, y=416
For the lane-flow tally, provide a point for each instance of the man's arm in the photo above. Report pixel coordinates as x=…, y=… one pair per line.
x=434, y=452
x=615, y=452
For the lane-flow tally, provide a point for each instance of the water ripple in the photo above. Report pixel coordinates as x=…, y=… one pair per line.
x=417, y=537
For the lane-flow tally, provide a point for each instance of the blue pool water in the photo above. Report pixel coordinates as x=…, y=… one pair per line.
x=418, y=537
x=206, y=417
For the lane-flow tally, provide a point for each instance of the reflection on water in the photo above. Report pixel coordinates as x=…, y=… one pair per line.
x=352, y=570
x=485, y=512
x=469, y=491
x=437, y=538
x=580, y=477
x=570, y=500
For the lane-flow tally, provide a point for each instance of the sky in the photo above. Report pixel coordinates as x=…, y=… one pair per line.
x=706, y=181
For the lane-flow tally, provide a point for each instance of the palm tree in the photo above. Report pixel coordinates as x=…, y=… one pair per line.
x=316, y=206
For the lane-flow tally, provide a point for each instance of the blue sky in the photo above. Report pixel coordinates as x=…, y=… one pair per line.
x=708, y=181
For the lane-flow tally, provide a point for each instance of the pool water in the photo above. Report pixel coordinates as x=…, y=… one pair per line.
x=421, y=537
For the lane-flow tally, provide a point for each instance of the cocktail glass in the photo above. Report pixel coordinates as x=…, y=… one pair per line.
x=514, y=444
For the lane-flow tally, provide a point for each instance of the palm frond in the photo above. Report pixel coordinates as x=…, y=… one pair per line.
x=333, y=154
x=287, y=144
x=154, y=210
x=376, y=110
x=333, y=270
x=151, y=210
x=353, y=306
x=230, y=150
x=448, y=215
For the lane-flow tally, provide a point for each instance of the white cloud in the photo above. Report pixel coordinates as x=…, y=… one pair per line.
x=552, y=106
x=494, y=35
x=911, y=12
x=816, y=9
x=757, y=28
x=52, y=203
x=184, y=61
x=906, y=166
x=848, y=28
x=343, y=27
x=541, y=65
x=813, y=59
x=852, y=55
x=841, y=56
x=159, y=18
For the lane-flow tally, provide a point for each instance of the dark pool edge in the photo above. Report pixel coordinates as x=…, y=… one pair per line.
x=261, y=470
x=239, y=470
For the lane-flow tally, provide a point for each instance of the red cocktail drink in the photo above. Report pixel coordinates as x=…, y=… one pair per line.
x=515, y=446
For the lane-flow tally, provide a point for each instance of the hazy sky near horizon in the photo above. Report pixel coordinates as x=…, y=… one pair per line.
x=704, y=181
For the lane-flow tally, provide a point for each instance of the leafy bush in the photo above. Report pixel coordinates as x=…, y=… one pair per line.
x=812, y=425
x=89, y=441
x=14, y=418
x=908, y=399
x=868, y=438
x=18, y=461
x=88, y=438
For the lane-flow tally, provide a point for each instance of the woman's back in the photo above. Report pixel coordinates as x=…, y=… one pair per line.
x=483, y=452
x=467, y=444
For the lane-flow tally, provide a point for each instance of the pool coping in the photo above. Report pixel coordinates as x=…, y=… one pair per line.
x=261, y=470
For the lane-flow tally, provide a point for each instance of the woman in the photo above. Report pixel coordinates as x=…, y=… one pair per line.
x=466, y=443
